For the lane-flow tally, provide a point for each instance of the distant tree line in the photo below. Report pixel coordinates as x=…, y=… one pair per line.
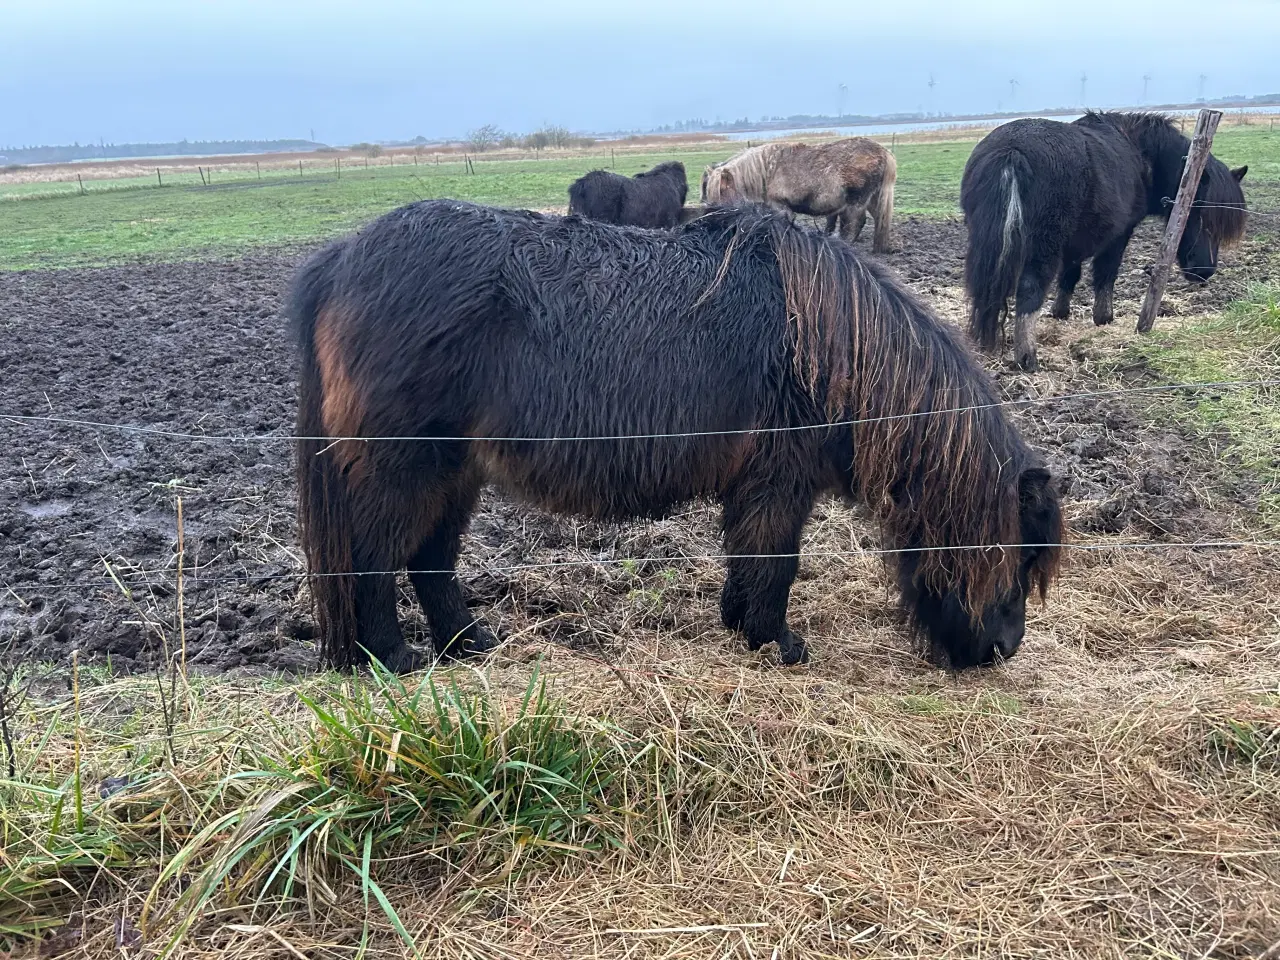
x=120, y=151
x=490, y=137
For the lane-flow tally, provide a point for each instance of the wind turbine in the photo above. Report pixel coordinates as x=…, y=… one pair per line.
x=1084, y=79
x=1203, y=78
x=932, y=83
x=1146, y=80
x=842, y=92
x=1013, y=90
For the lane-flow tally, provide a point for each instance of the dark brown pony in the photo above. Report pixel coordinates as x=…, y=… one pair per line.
x=772, y=364
x=1040, y=197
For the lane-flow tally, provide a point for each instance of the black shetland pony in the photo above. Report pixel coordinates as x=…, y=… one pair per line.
x=1040, y=197
x=489, y=331
x=652, y=199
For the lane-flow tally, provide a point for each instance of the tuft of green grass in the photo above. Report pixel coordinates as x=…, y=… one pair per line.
x=377, y=770
x=387, y=771
x=1241, y=344
x=1250, y=742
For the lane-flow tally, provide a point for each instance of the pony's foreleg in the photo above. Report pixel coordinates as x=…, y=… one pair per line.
x=1061, y=309
x=1033, y=285
x=762, y=536
x=1106, y=267
x=455, y=631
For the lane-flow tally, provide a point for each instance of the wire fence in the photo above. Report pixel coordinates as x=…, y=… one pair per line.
x=465, y=438
x=193, y=578
x=199, y=576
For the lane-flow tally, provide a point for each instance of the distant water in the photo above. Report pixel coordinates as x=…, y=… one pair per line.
x=881, y=129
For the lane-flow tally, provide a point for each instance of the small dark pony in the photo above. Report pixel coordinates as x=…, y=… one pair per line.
x=740, y=357
x=651, y=199
x=1040, y=197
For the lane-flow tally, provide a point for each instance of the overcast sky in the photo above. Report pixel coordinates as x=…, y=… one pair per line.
x=356, y=70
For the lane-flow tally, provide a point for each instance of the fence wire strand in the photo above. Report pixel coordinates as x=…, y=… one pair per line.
x=193, y=579
x=128, y=579
x=22, y=419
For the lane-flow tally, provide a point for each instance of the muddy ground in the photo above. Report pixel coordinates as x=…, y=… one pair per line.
x=201, y=348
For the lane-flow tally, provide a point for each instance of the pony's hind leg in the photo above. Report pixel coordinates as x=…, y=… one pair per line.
x=1106, y=267
x=373, y=556
x=455, y=631
x=851, y=223
x=1033, y=285
x=1061, y=309
x=762, y=536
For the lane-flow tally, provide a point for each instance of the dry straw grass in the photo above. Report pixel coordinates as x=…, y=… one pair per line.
x=1110, y=792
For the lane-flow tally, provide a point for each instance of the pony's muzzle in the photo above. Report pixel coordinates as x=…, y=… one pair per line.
x=1007, y=644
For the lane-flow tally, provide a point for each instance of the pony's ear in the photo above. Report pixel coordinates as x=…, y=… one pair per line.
x=1239, y=172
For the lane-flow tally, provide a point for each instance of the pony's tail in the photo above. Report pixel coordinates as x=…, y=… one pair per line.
x=996, y=216
x=324, y=510
x=883, y=206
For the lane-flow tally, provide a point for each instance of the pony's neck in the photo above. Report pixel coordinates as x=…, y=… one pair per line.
x=1165, y=150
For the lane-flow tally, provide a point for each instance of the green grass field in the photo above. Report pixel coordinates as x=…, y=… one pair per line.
x=53, y=225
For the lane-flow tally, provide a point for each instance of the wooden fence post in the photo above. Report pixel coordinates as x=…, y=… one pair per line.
x=1197, y=156
x=257, y=166
x=299, y=168
x=159, y=182
x=81, y=182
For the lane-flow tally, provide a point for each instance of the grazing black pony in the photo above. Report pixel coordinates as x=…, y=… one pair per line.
x=488, y=331
x=652, y=199
x=1040, y=197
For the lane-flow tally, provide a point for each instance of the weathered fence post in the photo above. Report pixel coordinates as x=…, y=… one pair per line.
x=1197, y=156
x=81, y=182
x=299, y=168
x=257, y=166
x=159, y=182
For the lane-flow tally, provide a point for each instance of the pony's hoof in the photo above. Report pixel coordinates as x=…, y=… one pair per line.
x=475, y=641
x=1060, y=313
x=792, y=650
x=403, y=659
x=1028, y=361
x=1102, y=320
